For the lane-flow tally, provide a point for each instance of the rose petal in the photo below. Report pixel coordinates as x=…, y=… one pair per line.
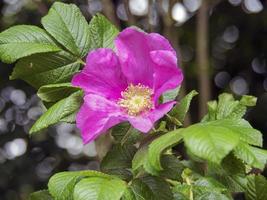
x=146, y=122
x=167, y=75
x=133, y=49
x=102, y=75
x=96, y=116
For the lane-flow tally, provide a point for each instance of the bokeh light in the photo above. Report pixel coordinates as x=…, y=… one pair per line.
x=235, y=2
x=138, y=7
x=45, y=168
x=165, y=6
x=90, y=149
x=231, y=34
x=192, y=5
x=94, y=6
x=259, y=65
x=18, y=97
x=253, y=6
x=121, y=12
x=3, y=125
x=15, y=148
x=5, y=92
x=222, y=79
x=68, y=137
x=179, y=13
x=239, y=85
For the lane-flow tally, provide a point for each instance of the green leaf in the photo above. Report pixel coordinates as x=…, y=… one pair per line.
x=212, y=111
x=23, y=40
x=118, y=161
x=41, y=195
x=209, y=188
x=180, y=110
x=149, y=157
x=257, y=188
x=203, y=188
x=58, y=111
x=246, y=132
x=56, y=92
x=172, y=167
x=253, y=156
x=234, y=183
x=170, y=95
x=231, y=173
x=99, y=188
x=231, y=165
x=46, y=68
x=70, y=118
x=212, y=196
x=139, y=159
x=61, y=185
x=150, y=188
x=102, y=32
x=181, y=192
x=226, y=104
x=124, y=133
x=69, y=27
x=210, y=183
x=247, y=100
x=228, y=107
x=159, y=145
x=240, y=110
x=212, y=140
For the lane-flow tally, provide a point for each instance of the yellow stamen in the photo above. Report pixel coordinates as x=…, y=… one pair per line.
x=136, y=99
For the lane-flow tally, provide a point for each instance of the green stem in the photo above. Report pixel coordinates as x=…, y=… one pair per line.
x=174, y=120
x=172, y=182
x=191, y=195
x=81, y=61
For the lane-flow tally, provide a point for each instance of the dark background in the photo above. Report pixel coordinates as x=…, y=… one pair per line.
x=222, y=47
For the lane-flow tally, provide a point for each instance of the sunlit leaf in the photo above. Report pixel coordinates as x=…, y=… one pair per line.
x=68, y=26
x=24, y=40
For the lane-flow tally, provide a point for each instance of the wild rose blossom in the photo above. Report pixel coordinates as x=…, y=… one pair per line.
x=125, y=85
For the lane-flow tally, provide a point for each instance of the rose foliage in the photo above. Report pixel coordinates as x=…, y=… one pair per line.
x=126, y=84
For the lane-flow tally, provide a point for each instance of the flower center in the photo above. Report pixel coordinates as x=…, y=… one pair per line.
x=136, y=99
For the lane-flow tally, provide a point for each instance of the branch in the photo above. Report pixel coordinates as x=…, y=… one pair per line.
x=109, y=11
x=203, y=58
x=131, y=18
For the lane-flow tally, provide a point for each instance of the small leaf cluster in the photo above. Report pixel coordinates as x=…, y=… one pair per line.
x=48, y=58
x=213, y=159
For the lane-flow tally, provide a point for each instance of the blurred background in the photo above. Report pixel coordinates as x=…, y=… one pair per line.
x=222, y=47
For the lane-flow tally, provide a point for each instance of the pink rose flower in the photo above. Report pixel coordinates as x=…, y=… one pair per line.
x=126, y=85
